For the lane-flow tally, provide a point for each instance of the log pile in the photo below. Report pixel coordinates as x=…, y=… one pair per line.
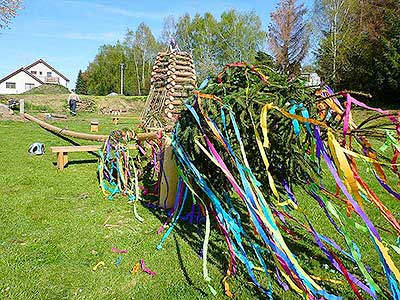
x=86, y=104
x=172, y=80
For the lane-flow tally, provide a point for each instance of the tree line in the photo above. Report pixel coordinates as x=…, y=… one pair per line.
x=350, y=44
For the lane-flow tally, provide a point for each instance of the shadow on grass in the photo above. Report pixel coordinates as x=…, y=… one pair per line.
x=218, y=254
x=184, y=271
x=78, y=162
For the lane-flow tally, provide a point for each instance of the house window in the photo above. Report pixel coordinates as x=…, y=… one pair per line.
x=33, y=72
x=10, y=85
x=29, y=86
x=48, y=74
x=40, y=72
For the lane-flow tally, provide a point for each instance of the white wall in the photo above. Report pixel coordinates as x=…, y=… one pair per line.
x=19, y=79
x=40, y=67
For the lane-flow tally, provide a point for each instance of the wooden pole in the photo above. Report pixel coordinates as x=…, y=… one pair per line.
x=21, y=107
x=83, y=136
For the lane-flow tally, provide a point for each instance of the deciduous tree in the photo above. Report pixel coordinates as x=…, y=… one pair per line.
x=236, y=37
x=333, y=20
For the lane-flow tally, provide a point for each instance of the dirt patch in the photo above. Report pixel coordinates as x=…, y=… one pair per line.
x=8, y=114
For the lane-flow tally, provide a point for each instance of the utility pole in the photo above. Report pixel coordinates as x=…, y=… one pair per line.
x=122, y=78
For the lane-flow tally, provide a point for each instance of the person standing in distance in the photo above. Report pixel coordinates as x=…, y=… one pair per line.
x=72, y=100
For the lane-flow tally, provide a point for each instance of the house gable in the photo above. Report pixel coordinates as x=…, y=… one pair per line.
x=37, y=63
x=31, y=76
x=18, y=82
x=18, y=71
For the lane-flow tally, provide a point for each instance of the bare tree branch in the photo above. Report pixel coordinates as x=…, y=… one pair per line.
x=8, y=11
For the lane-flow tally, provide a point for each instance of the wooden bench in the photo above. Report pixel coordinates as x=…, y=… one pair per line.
x=62, y=152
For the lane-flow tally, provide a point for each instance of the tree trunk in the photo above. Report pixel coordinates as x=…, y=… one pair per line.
x=137, y=72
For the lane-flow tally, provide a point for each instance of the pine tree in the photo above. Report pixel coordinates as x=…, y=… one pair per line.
x=81, y=87
x=288, y=36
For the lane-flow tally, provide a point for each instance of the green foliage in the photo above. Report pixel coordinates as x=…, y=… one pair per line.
x=104, y=71
x=48, y=89
x=81, y=84
x=137, y=52
x=359, y=47
x=235, y=37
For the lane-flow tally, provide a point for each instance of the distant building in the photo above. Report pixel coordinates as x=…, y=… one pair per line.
x=312, y=79
x=29, y=77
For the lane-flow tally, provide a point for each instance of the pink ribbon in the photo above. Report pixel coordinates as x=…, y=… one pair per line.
x=351, y=100
x=115, y=250
x=146, y=270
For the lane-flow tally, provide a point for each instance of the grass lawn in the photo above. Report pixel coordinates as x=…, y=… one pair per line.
x=56, y=226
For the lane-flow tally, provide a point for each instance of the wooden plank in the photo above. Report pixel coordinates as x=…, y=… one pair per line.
x=75, y=148
x=65, y=154
x=60, y=161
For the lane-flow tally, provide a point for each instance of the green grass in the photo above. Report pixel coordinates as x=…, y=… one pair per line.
x=48, y=89
x=53, y=232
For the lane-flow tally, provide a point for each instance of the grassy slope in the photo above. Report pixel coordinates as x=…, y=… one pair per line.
x=57, y=103
x=48, y=89
x=53, y=233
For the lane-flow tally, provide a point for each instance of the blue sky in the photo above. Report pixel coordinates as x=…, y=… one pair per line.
x=68, y=33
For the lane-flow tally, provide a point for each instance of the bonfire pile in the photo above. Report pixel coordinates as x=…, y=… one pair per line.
x=173, y=79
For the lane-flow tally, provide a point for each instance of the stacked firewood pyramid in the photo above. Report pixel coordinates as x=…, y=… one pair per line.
x=172, y=81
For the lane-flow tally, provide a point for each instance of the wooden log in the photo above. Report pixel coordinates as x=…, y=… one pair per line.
x=180, y=57
x=161, y=63
x=183, y=63
x=21, y=107
x=172, y=112
x=159, y=73
x=177, y=102
x=191, y=80
x=80, y=135
x=182, y=74
x=158, y=77
x=180, y=94
x=184, y=87
x=183, y=53
x=175, y=68
x=169, y=182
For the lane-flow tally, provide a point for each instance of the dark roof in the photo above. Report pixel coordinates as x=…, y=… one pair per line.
x=21, y=70
x=46, y=64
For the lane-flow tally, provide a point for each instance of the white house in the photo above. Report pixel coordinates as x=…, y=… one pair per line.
x=31, y=76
